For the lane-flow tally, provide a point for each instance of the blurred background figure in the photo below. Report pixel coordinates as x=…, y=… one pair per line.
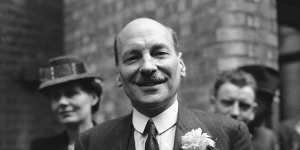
x=234, y=95
x=267, y=79
x=75, y=95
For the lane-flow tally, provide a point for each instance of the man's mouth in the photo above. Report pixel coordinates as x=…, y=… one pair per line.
x=150, y=82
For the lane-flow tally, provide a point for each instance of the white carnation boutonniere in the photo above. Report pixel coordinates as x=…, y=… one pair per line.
x=197, y=140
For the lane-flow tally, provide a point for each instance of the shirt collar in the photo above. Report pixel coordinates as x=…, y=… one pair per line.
x=162, y=121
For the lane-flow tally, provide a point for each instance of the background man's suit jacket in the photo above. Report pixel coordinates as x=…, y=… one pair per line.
x=288, y=136
x=118, y=134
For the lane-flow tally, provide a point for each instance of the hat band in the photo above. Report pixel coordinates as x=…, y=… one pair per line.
x=60, y=71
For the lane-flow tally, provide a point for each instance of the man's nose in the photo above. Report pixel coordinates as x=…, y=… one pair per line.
x=235, y=111
x=148, y=67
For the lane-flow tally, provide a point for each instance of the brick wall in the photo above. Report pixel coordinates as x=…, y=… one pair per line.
x=30, y=32
x=214, y=35
x=247, y=33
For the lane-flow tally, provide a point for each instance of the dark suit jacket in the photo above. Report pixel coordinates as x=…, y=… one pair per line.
x=57, y=142
x=288, y=136
x=118, y=134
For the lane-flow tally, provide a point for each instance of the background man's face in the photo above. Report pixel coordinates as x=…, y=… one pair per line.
x=149, y=67
x=236, y=102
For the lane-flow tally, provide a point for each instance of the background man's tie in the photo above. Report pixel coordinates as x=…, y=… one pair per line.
x=151, y=142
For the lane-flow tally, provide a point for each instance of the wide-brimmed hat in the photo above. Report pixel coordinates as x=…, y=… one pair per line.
x=267, y=78
x=64, y=69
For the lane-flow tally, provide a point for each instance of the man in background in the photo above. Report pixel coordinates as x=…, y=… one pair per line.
x=267, y=79
x=234, y=95
x=238, y=95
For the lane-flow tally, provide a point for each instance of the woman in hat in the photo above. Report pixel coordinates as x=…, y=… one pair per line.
x=74, y=94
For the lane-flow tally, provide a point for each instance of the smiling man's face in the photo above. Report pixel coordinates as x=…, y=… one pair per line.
x=150, y=68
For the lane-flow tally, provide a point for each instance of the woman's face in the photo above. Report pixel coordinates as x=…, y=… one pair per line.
x=71, y=104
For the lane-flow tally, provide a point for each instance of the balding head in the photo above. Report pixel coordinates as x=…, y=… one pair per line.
x=138, y=26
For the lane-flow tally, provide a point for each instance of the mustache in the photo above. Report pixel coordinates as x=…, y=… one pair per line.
x=156, y=78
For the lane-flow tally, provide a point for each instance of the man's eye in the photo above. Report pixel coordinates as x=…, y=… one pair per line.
x=130, y=59
x=159, y=53
x=132, y=56
x=244, y=106
x=227, y=102
x=159, y=50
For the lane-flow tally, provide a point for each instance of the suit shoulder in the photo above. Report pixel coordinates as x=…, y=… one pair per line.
x=106, y=127
x=236, y=132
x=102, y=134
x=217, y=118
x=230, y=126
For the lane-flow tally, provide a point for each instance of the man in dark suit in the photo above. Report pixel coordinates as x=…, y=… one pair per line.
x=150, y=70
x=237, y=95
x=267, y=79
x=234, y=95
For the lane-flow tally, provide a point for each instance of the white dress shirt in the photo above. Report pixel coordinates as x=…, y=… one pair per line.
x=165, y=124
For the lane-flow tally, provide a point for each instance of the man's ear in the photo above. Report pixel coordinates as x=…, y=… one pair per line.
x=119, y=81
x=182, y=65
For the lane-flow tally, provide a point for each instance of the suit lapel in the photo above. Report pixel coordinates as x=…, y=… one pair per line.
x=131, y=145
x=125, y=134
x=186, y=121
